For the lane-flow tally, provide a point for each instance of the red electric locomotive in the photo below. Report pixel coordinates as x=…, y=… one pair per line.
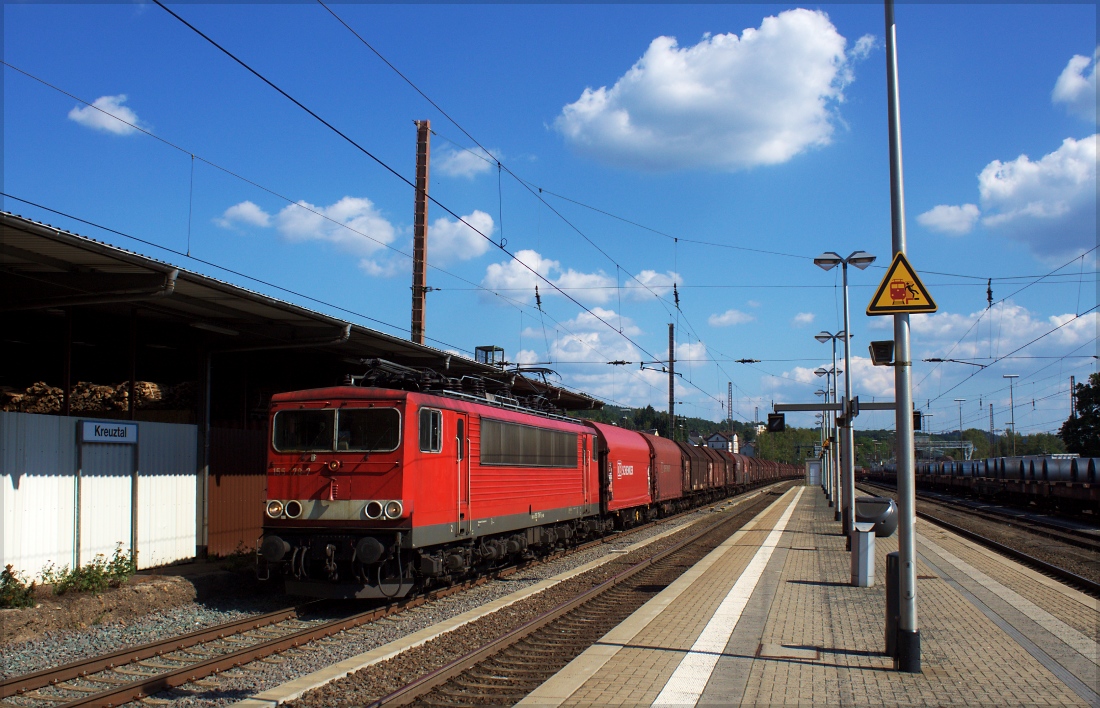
x=372, y=492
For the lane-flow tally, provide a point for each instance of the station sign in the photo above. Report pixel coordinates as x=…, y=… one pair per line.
x=901, y=292
x=102, y=431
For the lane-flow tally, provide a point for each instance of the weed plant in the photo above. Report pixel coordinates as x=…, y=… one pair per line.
x=14, y=590
x=96, y=576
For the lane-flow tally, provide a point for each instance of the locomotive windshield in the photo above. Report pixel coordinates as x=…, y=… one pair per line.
x=357, y=429
x=369, y=429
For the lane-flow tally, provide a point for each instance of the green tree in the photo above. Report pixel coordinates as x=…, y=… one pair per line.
x=1081, y=434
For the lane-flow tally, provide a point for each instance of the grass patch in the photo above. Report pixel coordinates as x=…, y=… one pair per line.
x=98, y=575
x=14, y=590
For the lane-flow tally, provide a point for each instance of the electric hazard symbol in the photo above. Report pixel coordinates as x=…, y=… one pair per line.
x=901, y=292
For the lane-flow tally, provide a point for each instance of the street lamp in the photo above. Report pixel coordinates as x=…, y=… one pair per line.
x=823, y=337
x=1012, y=407
x=828, y=261
x=834, y=467
x=960, y=401
x=822, y=418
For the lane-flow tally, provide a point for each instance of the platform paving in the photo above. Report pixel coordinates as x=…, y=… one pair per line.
x=992, y=631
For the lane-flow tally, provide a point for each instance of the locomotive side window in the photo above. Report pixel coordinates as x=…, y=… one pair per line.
x=431, y=430
x=460, y=437
x=369, y=430
x=526, y=446
x=303, y=431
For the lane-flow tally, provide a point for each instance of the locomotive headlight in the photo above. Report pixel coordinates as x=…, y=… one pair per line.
x=274, y=508
x=293, y=509
x=394, y=509
x=373, y=510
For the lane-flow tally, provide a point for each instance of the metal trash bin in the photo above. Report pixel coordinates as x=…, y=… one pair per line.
x=863, y=555
x=880, y=511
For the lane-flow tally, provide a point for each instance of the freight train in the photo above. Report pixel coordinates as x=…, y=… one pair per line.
x=375, y=492
x=1057, y=481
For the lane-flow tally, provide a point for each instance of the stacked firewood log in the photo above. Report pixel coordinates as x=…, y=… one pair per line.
x=87, y=397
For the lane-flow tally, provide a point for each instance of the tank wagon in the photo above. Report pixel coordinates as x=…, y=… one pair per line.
x=1066, y=481
x=375, y=492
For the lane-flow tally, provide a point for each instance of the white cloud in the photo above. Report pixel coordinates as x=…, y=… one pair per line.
x=729, y=317
x=659, y=283
x=1050, y=204
x=366, y=230
x=1076, y=89
x=691, y=351
x=450, y=240
x=802, y=319
x=753, y=303
x=727, y=102
x=89, y=117
x=950, y=334
x=517, y=275
x=526, y=357
x=246, y=213
x=953, y=220
x=590, y=322
x=452, y=162
x=353, y=225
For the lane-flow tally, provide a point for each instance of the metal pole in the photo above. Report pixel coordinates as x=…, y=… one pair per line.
x=837, y=497
x=671, y=383
x=992, y=439
x=849, y=441
x=420, y=231
x=908, y=643
x=1012, y=412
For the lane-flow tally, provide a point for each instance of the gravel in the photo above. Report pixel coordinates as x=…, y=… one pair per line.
x=234, y=685
x=62, y=647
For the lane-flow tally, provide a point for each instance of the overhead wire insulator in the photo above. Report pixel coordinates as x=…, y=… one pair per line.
x=676, y=296
x=538, y=299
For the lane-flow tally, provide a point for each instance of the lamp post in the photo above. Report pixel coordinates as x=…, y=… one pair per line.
x=821, y=418
x=828, y=261
x=960, y=401
x=823, y=337
x=834, y=459
x=1012, y=407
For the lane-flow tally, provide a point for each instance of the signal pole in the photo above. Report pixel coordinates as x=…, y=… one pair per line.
x=420, y=231
x=671, y=381
x=908, y=639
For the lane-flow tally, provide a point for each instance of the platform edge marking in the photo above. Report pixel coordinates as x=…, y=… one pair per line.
x=686, y=685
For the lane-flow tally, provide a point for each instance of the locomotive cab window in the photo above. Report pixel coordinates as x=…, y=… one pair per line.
x=303, y=430
x=368, y=430
x=355, y=429
x=431, y=430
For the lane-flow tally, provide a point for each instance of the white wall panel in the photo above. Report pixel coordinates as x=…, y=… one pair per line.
x=37, y=461
x=166, y=493
x=105, y=499
x=38, y=464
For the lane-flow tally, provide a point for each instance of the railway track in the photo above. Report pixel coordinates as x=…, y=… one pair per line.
x=1039, y=529
x=138, y=672
x=1020, y=519
x=505, y=668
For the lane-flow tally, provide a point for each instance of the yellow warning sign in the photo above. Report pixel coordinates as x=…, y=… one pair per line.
x=901, y=292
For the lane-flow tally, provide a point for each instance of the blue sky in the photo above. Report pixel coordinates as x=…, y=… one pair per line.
x=740, y=140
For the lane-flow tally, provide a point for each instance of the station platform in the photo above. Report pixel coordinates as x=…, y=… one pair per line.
x=770, y=618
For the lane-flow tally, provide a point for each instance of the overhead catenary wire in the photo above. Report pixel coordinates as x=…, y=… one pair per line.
x=474, y=286
x=519, y=305
x=390, y=169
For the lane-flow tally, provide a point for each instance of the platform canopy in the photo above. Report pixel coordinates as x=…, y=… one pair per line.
x=49, y=272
